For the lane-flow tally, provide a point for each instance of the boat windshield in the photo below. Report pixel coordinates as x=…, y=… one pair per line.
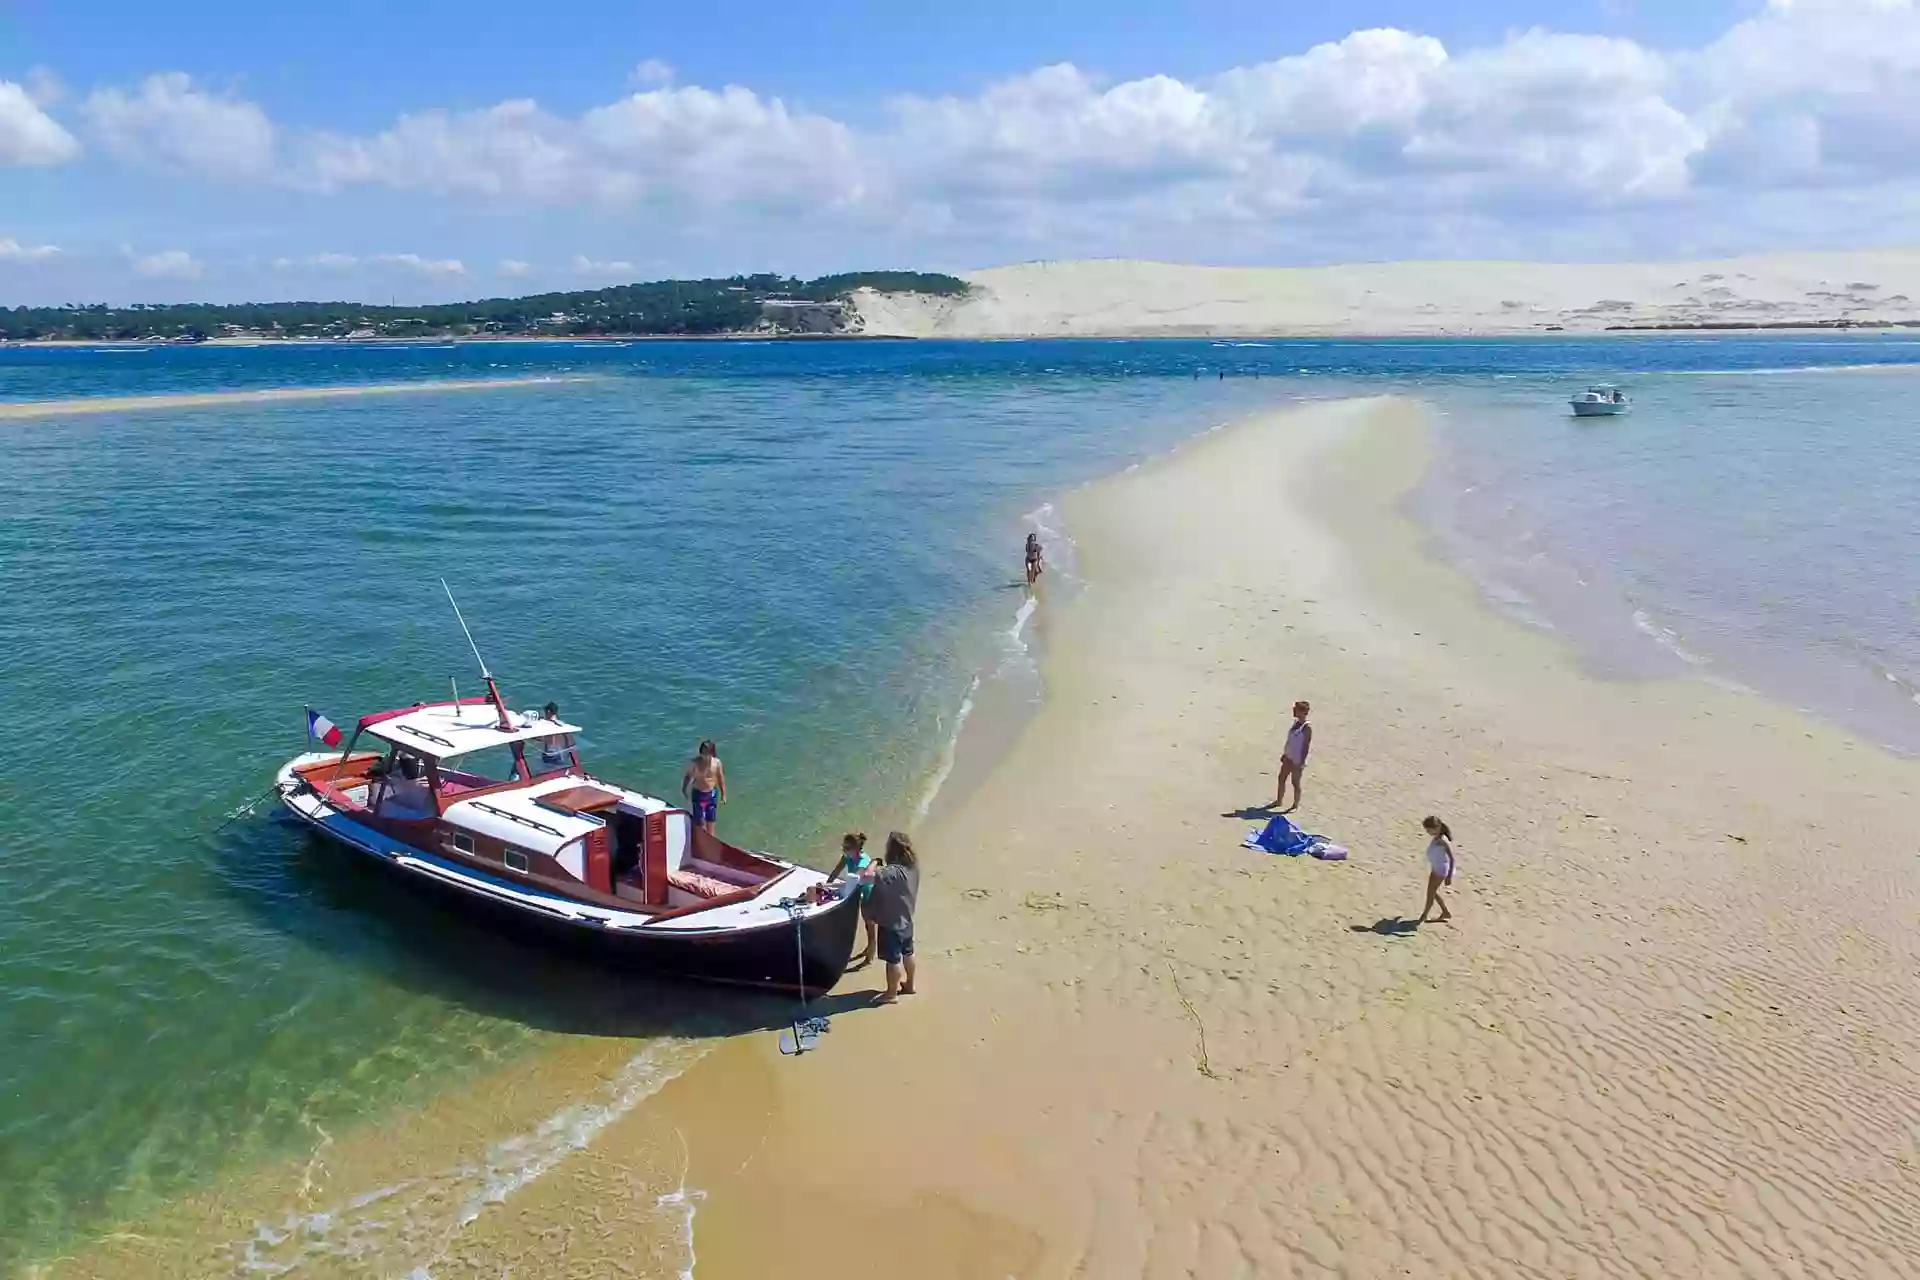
x=487, y=767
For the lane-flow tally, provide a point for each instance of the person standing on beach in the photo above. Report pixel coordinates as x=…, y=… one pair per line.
x=1439, y=868
x=1293, y=759
x=705, y=785
x=852, y=867
x=1035, y=559
x=896, y=888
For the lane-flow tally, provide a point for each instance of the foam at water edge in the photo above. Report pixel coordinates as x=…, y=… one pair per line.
x=950, y=750
x=1020, y=619
x=393, y=1226
x=1666, y=638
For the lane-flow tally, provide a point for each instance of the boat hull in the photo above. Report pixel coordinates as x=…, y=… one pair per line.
x=1597, y=409
x=763, y=954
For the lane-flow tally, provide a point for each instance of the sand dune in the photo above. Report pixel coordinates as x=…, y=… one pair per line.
x=1120, y=298
x=15, y=410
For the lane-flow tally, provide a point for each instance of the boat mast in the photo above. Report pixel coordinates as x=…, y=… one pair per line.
x=493, y=690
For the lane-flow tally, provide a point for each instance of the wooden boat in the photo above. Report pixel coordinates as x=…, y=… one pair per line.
x=568, y=855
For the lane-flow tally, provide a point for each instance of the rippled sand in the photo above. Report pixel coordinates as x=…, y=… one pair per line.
x=16, y=410
x=1671, y=1031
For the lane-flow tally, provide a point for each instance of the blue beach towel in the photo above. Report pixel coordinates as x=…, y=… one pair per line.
x=1282, y=836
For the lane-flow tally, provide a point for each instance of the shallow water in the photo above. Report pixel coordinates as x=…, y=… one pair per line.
x=807, y=551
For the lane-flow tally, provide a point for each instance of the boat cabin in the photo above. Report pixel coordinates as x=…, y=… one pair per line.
x=505, y=792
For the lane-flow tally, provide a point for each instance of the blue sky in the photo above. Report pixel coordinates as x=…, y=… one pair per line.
x=431, y=149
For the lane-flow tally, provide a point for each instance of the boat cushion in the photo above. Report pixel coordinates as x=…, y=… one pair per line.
x=700, y=886
x=738, y=877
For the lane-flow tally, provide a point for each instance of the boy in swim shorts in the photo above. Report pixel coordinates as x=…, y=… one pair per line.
x=705, y=785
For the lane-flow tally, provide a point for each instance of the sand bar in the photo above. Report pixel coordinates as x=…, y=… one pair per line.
x=1672, y=1031
x=14, y=411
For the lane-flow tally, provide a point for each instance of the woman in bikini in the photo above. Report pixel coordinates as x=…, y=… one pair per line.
x=1035, y=564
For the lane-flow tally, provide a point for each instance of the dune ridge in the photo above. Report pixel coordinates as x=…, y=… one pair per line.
x=1120, y=298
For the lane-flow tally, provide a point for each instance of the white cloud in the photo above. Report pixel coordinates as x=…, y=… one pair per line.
x=653, y=74
x=12, y=250
x=28, y=135
x=170, y=264
x=687, y=145
x=440, y=268
x=170, y=122
x=514, y=269
x=585, y=266
x=1384, y=143
x=317, y=262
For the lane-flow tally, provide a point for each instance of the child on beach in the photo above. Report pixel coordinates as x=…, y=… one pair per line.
x=1293, y=759
x=896, y=886
x=1439, y=868
x=850, y=872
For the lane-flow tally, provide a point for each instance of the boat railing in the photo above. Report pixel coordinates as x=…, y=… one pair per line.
x=523, y=820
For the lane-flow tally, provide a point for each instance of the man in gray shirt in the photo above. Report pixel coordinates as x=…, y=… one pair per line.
x=896, y=888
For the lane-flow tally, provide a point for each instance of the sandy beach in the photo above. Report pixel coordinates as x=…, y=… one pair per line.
x=1670, y=1032
x=19, y=410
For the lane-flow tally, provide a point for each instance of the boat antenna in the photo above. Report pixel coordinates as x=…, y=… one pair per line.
x=499, y=703
x=484, y=673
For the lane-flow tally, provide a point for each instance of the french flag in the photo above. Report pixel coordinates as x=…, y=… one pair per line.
x=323, y=729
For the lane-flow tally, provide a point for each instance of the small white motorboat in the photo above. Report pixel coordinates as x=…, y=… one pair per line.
x=1601, y=400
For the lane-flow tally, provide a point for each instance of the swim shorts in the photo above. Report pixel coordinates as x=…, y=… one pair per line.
x=706, y=806
x=895, y=945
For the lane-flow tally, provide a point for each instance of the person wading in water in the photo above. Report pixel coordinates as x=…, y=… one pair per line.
x=705, y=785
x=1036, y=563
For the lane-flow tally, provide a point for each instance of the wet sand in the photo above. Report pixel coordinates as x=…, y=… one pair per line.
x=18, y=410
x=1671, y=1030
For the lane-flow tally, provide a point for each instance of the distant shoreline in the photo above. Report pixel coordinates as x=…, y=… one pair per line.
x=15, y=411
x=1885, y=329
x=489, y=339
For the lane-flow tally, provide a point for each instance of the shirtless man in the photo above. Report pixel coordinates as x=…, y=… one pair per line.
x=705, y=785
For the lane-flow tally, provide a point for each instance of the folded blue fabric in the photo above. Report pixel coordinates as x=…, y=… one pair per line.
x=1281, y=836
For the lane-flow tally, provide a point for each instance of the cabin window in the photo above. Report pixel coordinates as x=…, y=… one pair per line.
x=463, y=842
x=516, y=859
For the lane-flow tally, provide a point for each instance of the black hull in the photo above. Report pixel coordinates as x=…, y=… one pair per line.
x=765, y=956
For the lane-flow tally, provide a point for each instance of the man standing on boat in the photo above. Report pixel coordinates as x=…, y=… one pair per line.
x=705, y=785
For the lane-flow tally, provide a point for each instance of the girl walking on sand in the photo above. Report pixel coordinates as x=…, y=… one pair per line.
x=1439, y=868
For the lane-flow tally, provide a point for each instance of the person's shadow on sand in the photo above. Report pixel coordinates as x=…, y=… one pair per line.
x=1387, y=927
x=1256, y=812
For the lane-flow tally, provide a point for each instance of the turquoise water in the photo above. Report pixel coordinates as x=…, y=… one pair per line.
x=806, y=551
